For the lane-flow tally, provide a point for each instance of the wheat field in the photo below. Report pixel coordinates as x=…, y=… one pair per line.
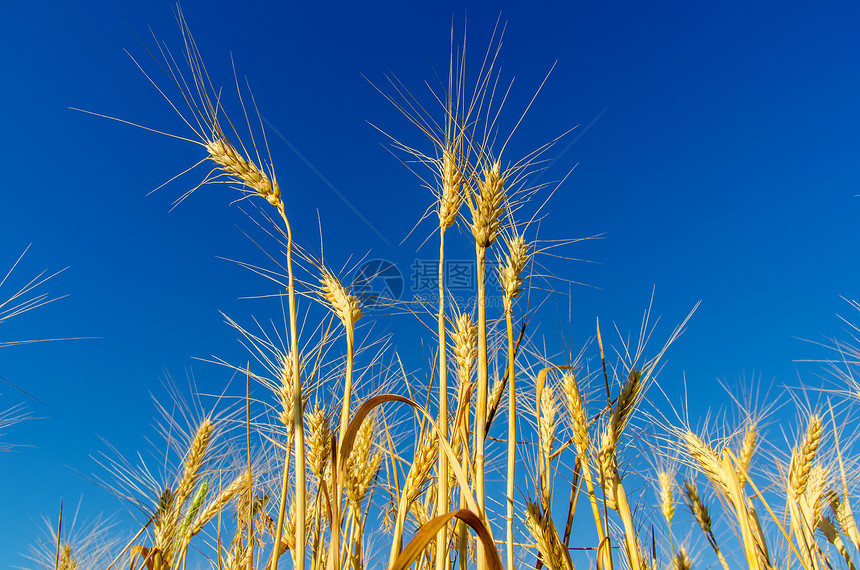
x=491, y=447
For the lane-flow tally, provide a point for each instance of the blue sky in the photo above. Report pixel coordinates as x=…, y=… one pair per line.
x=716, y=155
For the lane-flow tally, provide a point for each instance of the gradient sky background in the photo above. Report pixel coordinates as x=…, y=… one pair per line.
x=717, y=154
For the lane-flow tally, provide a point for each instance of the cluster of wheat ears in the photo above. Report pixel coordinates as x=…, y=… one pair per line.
x=333, y=478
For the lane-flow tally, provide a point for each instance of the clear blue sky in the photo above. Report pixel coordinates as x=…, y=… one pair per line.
x=720, y=164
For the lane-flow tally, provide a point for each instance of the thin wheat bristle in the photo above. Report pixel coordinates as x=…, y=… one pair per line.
x=803, y=457
x=488, y=204
x=577, y=411
x=451, y=197
x=230, y=160
x=339, y=299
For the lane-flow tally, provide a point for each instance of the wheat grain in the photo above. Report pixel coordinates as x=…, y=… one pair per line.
x=339, y=299
x=746, y=453
x=487, y=206
x=510, y=272
x=608, y=461
x=627, y=400
x=803, y=457
x=667, y=502
x=577, y=412
x=67, y=561
x=552, y=553
x=697, y=507
x=546, y=421
x=705, y=457
x=450, y=197
x=239, y=484
x=681, y=560
x=230, y=160
x=285, y=392
x=422, y=463
x=319, y=443
x=465, y=339
x=358, y=463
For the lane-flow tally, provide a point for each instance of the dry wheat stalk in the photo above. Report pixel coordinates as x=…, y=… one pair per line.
x=450, y=197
